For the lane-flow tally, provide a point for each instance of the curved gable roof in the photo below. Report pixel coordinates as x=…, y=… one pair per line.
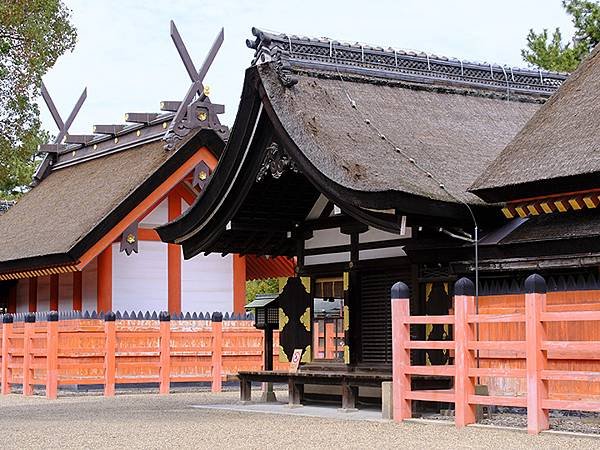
x=74, y=206
x=558, y=150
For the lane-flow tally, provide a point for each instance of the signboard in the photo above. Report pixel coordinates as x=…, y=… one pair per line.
x=295, y=362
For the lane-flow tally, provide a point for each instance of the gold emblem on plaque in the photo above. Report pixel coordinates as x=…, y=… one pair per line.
x=130, y=238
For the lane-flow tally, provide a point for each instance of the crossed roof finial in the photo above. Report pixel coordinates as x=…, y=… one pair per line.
x=53, y=149
x=63, y=127
x=191, y=112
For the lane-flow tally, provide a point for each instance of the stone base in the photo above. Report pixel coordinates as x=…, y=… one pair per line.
x=347, y=410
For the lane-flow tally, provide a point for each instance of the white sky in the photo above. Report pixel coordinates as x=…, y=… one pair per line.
x=125, y=56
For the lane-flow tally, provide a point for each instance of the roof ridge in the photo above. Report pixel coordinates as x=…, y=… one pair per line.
x=330, y=54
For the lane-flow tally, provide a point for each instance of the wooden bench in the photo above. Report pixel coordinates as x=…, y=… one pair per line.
x=349, y=381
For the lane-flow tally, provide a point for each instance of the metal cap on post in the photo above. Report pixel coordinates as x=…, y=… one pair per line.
x=110, y=317
x=7, y=318
x=52, y=316
x=535, y=284
x=29, y=318
x=400, y=290
x=465, y=287
x=217, y=317
x=164, y=316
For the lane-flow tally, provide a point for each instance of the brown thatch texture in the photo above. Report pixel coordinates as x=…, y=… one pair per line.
x=454, y=135
x=562, y=139
x=70, y=202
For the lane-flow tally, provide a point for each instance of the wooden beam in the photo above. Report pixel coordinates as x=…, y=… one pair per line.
x=54, y=292
x=33, y=283
x=148, y=234
x=104, y=280
x=186, y=193
x=174, y=258
x=77, y=291
x=239, y=283
x=148, y=203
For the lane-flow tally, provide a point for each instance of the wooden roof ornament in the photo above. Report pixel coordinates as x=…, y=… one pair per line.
x=52, y=150
x=195, y=110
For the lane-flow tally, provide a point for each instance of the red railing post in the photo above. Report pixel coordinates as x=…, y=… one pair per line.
x=52, y=355
x=165, y=352
x=464, y=386
x=400, y=351
x=537, y=389
x=217, y=350
x=7, y=328
x=110, y=363
x=28, y=330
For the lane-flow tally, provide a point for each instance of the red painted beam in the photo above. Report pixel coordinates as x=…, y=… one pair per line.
x=174, y=258
x=104, y=274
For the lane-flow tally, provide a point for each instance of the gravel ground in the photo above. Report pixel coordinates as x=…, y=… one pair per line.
x=152, y=421
x=587, y=423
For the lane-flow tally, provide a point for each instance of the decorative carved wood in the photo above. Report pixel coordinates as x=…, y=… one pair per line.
x=129, y=239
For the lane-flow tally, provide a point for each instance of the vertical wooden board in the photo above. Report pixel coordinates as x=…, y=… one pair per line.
x=140, y=280
x=207, y=283
x=65, y=291
x=90, y=284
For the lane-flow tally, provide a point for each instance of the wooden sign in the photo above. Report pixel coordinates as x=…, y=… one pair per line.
x=295, y=362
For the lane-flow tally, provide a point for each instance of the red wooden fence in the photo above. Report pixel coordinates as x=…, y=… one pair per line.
x=537, y=348
x=110, y=352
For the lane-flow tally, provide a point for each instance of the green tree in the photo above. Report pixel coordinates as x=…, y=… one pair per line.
x=33, y=34
x=269, y=286
x=551, y=53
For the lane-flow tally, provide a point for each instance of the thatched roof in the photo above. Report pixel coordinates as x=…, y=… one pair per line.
x=452, y=118
x=558, y=149
x=75, y=205
x=453, y=135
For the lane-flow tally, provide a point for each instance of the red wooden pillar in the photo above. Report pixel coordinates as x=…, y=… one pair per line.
x=217, y=351
x=104, y=286
x=239, y=283
x=400, y=351
x=537, y=389
x=174, y=258
x=464, y=386
x=110, y=363
x=77, y=290
x=7, y=328
x=52, y=356
x=33, y=285
x=165, y=352
x=54, y=292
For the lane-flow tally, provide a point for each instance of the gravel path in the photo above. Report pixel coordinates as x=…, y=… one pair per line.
x=151, y=421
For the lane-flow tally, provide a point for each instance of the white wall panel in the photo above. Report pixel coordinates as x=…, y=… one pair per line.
x=43, y=293
x=65, y=292
x=90, y=281
x=327, y=238
x=326, y=258
x=23, y=295
x=158, y=216
x=375, y=235
x=140, y=280
x=207, y=284
x=378, y=253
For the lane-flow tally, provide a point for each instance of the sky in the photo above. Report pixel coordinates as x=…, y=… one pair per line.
x=125, y=56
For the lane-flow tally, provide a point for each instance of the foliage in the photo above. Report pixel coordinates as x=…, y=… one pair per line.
x=549, y=52
x=33, y=34
x=270, y=286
